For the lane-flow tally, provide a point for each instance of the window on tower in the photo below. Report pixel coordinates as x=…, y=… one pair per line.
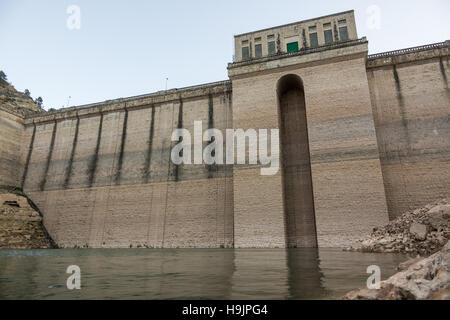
x=245, y=50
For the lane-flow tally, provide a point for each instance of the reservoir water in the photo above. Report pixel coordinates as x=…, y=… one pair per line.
x=189, y=273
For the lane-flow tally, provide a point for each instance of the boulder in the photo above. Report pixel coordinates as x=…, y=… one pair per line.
x=439, y=217
x=419, y=231
x=443, y=294
x=405, y=265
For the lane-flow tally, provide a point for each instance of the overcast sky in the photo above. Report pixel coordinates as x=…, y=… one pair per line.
x=126, y=48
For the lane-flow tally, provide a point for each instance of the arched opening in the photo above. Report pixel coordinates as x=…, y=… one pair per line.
x=300, y=222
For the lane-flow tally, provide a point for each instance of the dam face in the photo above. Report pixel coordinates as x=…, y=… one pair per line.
x=362, y=138
x=110, y=181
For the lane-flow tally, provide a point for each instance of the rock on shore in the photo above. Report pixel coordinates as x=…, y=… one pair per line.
x=21, y=226
x=418, y=279
x=423, y=231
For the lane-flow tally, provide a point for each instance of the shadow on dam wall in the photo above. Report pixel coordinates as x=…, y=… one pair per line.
x=297, y=179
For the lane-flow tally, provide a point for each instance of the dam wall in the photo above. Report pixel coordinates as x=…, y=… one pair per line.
x=103, y=177
x=378, y=138
x=410, y=99
x=362, y=139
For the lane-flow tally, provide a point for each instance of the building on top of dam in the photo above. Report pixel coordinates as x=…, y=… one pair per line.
x=294, y=37
x=363, y=138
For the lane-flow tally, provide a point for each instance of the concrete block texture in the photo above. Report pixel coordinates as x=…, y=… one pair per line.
x=110, y=182
x=411, y=109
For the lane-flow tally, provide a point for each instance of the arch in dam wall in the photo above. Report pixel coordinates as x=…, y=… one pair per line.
x=298, y=197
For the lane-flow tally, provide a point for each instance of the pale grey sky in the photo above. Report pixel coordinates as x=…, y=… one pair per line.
x=126, y=48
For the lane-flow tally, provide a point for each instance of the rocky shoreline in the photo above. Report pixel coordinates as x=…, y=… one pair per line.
x=21, y=225
x=422, y=232
x=417, y=279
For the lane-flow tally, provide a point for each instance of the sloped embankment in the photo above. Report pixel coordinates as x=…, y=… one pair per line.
x=423, y=231
x=21, y=225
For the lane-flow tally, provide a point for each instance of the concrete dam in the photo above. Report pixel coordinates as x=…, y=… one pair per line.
x=363, y=138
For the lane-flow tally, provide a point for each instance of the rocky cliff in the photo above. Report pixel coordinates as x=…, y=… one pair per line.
x=12, y=99
x=21, y=224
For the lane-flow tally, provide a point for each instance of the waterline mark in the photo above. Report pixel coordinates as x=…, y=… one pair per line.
x=236, y=140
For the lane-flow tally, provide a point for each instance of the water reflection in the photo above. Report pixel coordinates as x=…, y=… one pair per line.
x=305, y=276
x=188, y=274
x=260, y=274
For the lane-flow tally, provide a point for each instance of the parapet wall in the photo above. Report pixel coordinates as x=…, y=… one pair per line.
x=411, y=108
x=102, y=173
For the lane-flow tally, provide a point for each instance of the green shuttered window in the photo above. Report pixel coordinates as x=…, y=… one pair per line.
x=292, y=47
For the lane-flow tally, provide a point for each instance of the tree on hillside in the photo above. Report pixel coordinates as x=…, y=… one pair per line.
x=39, y=101
x=3, y=76
x=27, y=92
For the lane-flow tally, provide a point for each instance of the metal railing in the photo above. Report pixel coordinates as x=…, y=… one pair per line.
x=409, y=50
